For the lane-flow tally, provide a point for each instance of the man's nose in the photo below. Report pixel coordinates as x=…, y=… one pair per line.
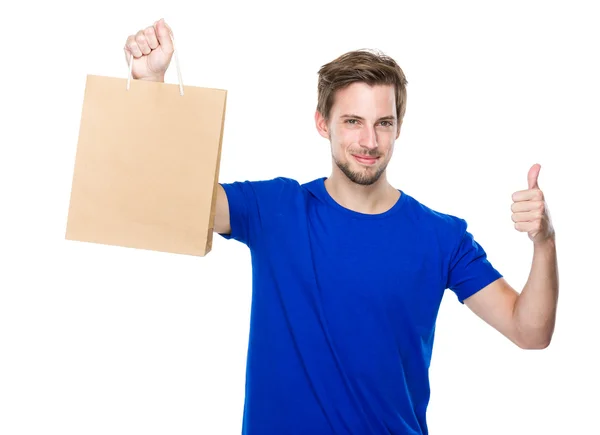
x=368, y=138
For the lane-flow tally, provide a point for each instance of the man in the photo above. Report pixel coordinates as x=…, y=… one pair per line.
x=349, y=272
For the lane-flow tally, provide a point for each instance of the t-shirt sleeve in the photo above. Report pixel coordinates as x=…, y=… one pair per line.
x=242, y=200
x=250, y=205
x=469, y=268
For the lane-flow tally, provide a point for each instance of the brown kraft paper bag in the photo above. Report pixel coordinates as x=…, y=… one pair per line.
x=147, y=165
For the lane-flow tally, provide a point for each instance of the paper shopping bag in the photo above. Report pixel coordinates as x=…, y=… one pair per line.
x=147, y=165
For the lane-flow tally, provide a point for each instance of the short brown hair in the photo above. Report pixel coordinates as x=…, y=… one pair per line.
x=364, y=65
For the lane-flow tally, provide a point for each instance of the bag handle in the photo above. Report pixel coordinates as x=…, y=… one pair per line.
x=176, y=64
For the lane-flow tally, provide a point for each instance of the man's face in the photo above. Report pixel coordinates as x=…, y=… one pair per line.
x=362, y=129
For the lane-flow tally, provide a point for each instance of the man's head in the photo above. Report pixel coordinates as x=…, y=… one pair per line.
x=361, y=105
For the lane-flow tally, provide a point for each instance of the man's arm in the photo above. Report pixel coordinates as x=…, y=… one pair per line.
x=535, y=310
x=222, y=223
x=151, y=50
x=528, y=318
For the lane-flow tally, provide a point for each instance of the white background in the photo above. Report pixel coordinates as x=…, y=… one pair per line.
x=98, y=339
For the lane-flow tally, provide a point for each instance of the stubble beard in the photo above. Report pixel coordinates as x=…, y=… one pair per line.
x=361, y=178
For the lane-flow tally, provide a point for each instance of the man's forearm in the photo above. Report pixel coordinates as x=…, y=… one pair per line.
x=535, y=309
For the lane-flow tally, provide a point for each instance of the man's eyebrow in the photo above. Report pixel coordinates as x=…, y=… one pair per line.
x=384, y=118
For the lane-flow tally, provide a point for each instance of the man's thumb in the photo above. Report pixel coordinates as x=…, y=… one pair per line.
x=532, y=177
x=164, y=33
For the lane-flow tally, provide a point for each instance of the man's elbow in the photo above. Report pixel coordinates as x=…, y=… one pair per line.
x=534, y=342
x=539, y=345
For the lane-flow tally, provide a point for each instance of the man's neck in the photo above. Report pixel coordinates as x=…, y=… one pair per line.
x=376, y=198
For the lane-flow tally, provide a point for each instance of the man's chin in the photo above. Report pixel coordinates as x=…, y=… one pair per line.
x=364, y=181
x=364, y=176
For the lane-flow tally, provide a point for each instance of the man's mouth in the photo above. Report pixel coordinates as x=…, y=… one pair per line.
x=365, y=160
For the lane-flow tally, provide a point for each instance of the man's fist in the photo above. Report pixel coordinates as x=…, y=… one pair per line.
x=152, y=50
x=530, y=211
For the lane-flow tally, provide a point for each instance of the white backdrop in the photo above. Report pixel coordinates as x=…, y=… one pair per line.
x=98, y=339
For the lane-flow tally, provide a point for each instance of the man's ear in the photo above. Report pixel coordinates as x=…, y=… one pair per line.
x=321, y=124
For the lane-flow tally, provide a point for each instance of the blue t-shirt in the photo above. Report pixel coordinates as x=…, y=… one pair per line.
x=344, y=306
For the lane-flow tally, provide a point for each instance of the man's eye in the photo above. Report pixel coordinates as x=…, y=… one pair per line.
x=387, y=123
x=351, y=121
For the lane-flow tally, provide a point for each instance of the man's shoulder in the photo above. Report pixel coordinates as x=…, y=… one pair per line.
x=435, y=217
x=276, y=190
x=273, y=183
x=279, y=182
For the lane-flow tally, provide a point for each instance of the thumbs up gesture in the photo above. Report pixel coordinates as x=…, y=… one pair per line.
x=530, y=211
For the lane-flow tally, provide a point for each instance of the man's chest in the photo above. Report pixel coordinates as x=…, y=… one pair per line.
x=367, y=272
x=392, y=275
